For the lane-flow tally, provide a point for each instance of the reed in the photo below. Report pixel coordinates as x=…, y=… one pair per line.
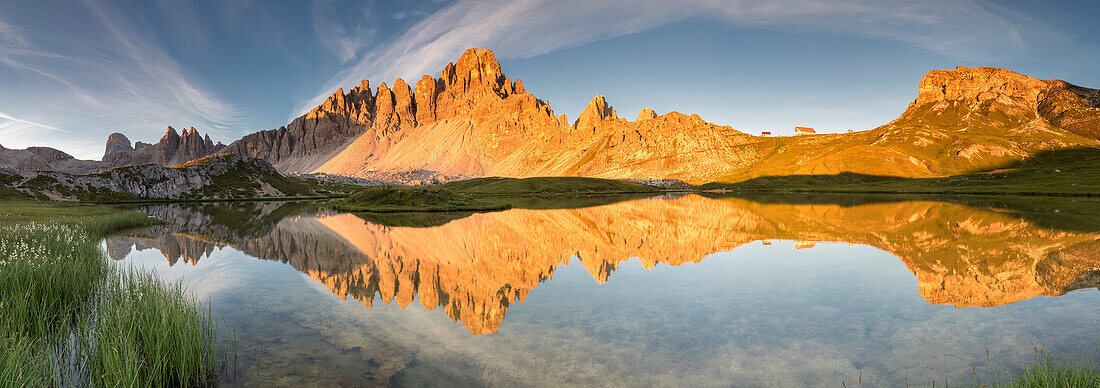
x=70, y=317
x=1046, y=370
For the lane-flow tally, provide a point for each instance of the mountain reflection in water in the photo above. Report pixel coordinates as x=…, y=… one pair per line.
x=477, y=266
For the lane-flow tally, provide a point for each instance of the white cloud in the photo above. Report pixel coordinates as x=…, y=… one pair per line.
x=87, y=69
x=967, y=29
x=9, y=33
x=329, y=30
x=18, y=124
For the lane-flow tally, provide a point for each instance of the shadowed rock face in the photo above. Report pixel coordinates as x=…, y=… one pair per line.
x=172, y=149
x=44, y=159
x=474, y=268
x=117, y=143
x=215, y=176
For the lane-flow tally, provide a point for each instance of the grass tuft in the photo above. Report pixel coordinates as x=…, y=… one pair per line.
x=69, y=317
x=1046, y=371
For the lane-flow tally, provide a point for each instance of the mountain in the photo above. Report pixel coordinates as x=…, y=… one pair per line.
x=43, y=159
x=474, y=121
x=220, y=176
x=998, y=101
x=172, y=149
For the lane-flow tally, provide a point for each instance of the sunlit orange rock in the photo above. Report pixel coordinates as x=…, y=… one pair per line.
x=476, y=267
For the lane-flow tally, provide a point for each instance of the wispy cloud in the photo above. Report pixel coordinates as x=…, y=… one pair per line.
x=183, y=19
x=25, y=123
x=8, y=33
x=966, y=29
x=87, y=68
x=329, y=30
x=10, y=125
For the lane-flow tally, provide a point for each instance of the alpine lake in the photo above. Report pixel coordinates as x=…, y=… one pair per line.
x=673, y=290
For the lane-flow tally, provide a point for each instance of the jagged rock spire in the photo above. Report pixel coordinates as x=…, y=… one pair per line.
x=596, y=111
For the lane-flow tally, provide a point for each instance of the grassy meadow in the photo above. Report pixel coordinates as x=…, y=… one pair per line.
x=68, y=317
x=485, y=194
x=392, y=199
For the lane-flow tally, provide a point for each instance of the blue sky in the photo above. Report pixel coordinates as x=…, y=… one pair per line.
x=72, y=72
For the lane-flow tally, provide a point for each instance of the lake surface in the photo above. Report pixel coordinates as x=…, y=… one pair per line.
x=673, y=291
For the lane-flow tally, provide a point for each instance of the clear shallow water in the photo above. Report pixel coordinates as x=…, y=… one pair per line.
x=665, y=292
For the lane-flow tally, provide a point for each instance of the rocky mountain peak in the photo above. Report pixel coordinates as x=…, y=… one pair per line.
x=596, y=111
x=170, y=136
x=403, y=108
x=116, y=143
x=978, y=84
x=169, y=144
x=334, y=104
x=192, y=146
x=383, y=110
x=474, y=121
x=425, y=98
x=364, y=85
x=990, y=98
x=476, y=68
x=171, y=149
x=646, y=113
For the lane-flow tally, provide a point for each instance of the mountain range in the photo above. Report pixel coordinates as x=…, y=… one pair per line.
x=472, y=120
x=476, y=267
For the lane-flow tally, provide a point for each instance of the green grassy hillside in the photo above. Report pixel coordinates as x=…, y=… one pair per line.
x=546, y=186
x=487, y=194
x=389, y=199
x=1063, y=172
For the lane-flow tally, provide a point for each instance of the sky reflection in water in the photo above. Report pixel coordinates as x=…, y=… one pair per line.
x=689, y=290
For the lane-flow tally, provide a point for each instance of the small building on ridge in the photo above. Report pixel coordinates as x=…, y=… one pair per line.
x=803, y=131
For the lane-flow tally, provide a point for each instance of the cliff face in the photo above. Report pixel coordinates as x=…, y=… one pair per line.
x=472, y=120
x=117, y=143
x=984, y=98
x=312, y=138
x=457, y=124
x=353, y=127
x=596, y=111
x=474, y=268
x=172, y=149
